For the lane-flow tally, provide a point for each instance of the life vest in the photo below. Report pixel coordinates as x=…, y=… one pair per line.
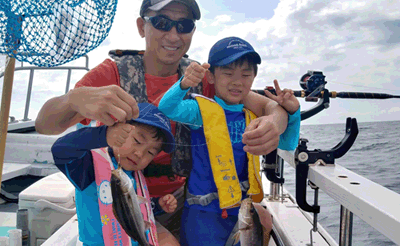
x=113, y=233
x=132, y=79
x=221, y=156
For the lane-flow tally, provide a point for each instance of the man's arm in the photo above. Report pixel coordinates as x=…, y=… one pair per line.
x=99, y=97
x=261, y=136
x=56, y=116
x=263, y=106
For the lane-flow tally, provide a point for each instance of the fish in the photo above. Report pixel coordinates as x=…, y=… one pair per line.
x=254, y=224
x=126, y=207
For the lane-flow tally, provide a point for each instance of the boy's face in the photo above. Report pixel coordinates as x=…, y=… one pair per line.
x=231, y=83
x=140, y=148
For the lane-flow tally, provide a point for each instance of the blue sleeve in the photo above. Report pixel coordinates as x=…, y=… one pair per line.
x=72, y=154
x=155, y=204
x=289, y=139
x=179, y=110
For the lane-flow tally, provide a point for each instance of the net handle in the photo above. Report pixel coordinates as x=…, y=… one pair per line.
x=5, y=108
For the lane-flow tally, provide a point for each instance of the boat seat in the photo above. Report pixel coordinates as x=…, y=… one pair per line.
x=12, y=170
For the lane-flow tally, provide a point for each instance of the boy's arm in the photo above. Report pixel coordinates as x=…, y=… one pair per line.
x=290, y=138
x=72, y=155
x=179, y=110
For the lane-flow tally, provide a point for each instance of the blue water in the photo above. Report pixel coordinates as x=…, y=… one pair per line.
x=374, y=155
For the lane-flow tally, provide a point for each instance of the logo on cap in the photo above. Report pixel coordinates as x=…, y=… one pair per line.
x=162, y=119
x=236, y=44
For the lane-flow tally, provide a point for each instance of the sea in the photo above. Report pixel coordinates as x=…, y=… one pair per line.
x=374, y=155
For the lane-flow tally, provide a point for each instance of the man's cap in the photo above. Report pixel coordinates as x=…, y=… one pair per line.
x=157, y=5
x=230, y=49
x=150, y=115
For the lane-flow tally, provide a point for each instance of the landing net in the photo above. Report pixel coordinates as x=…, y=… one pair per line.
x=49, y=33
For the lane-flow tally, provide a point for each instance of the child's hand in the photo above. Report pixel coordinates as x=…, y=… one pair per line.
x=285, y=98
x=168, y=203
x=118, y=133
x=194, y=74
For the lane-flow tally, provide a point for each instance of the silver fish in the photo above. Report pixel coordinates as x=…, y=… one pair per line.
x=254, y=225
x=126, y=207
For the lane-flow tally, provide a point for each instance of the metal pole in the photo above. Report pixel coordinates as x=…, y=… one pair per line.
x=68, y=81
x=274, y=192
x=28, y=94
x=5, y=107
x=346, y=227
x=279, y=169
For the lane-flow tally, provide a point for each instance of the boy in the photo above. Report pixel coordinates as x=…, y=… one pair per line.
x=222, y=173
x=87, y=157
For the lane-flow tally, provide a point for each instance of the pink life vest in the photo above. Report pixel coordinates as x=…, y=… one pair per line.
x=113, y=233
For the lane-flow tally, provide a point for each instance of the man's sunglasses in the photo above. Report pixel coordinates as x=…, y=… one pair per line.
x=163, y=23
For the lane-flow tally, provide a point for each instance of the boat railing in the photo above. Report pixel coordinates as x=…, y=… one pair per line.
x=373, y=203
x=31, y=76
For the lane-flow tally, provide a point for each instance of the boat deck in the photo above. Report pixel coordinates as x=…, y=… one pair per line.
x=7, y=218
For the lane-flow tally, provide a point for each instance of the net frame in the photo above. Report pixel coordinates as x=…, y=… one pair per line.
x=52, y=33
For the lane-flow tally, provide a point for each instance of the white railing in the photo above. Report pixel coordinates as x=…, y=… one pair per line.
x=371, y=202
x=32, y=70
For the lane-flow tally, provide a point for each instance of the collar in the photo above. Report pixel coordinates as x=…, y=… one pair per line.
x=111, y=153
x=234, y=108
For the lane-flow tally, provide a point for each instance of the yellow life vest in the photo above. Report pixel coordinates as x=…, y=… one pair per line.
x=221, y=155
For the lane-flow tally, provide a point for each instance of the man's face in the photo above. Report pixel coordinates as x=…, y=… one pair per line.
x=140, y=148
x=167, y=47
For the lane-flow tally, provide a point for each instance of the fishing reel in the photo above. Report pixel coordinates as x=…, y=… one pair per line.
x=312, y=80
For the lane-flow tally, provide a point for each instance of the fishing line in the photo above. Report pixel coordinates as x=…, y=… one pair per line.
x=184, y=124
x=369, y=87
x=334, y=82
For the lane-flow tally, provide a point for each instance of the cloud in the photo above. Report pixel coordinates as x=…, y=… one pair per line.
x=220, y=19
x=394, y=110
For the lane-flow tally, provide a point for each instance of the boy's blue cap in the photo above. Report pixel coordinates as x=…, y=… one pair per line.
x=150, y=115
x=230, y=49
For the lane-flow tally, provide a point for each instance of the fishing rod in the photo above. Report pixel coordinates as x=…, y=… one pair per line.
x=313, y=84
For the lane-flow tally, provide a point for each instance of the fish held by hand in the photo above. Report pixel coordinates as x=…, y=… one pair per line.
x=126, y=207
x=254, y=224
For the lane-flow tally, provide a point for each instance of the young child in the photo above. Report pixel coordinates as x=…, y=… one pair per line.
x=222, y=173
x=87, y=157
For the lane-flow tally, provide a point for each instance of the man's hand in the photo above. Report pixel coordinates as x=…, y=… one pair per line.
x=261, y=136
x=117, y=134
x=285, y=98
x=168, y=203
x=193, y=75
x=103, y=103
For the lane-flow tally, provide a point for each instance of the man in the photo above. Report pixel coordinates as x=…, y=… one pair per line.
x=112, y=90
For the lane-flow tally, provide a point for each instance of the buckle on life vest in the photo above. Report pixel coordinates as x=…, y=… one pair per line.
x=224, y=214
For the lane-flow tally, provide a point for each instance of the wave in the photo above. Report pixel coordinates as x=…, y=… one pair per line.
x=373, y=146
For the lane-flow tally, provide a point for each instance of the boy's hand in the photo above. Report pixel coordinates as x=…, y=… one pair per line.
x=168, y=203
x=118, y=133
x=285, y=98
x=194, y=74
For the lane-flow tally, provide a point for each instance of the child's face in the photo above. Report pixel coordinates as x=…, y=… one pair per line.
x=232, y=84
x=140, y=148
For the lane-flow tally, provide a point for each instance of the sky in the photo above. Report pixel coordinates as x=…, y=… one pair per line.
x=356, y=44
